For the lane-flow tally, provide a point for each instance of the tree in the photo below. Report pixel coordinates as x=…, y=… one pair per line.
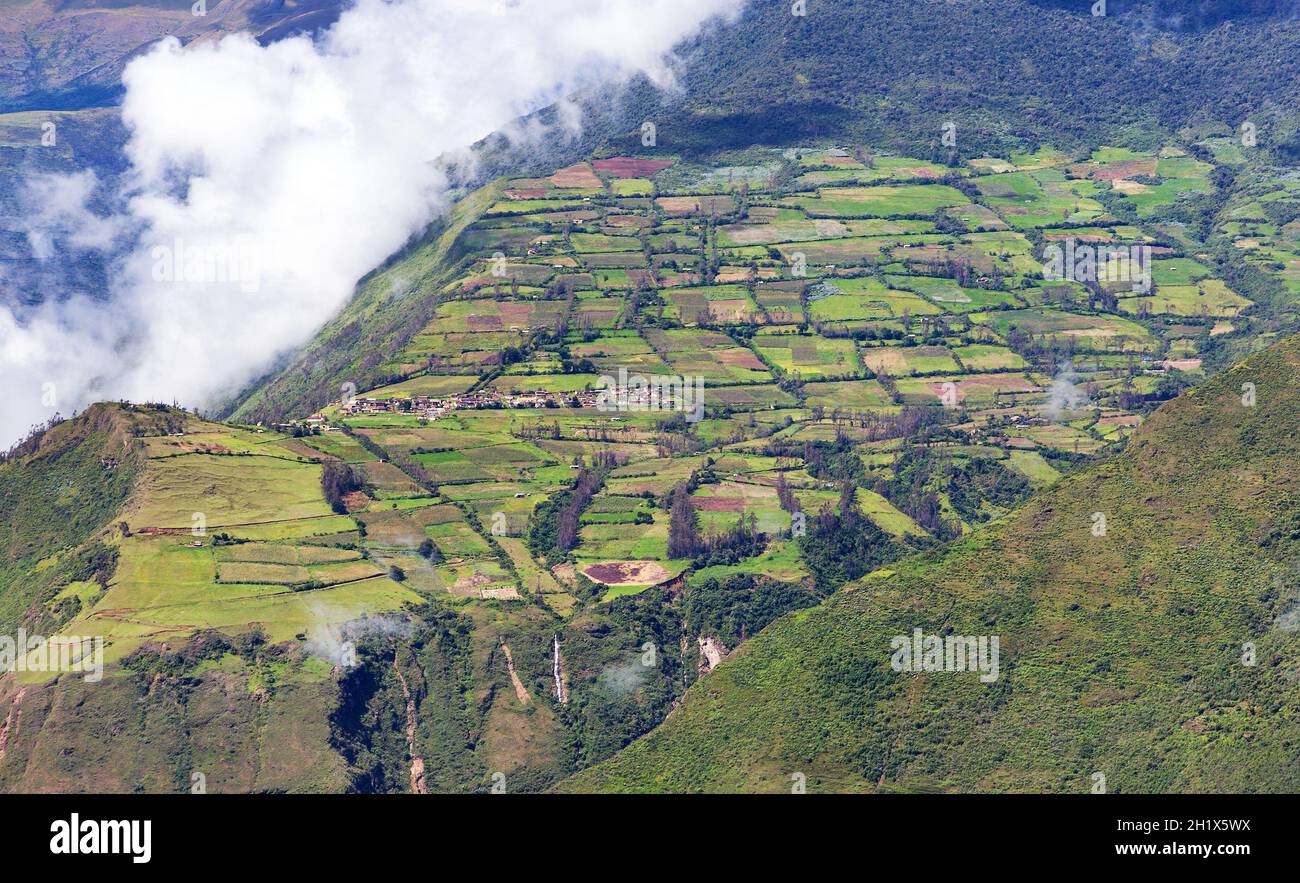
x=785, y=495
x=683, y=529
x=844, y=545
x=338, y=480
x=429, y=550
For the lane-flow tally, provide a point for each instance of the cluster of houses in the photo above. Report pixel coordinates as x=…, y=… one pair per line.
x=431, y=407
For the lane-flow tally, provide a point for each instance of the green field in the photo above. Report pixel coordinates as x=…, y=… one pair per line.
x=856, y=327
x=907, y=200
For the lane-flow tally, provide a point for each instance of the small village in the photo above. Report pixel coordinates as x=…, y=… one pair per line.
x=431, y=408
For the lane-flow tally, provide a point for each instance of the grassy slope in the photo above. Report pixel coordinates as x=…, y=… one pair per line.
x=251, y=721
x=53, y=500
x=246, y=708
x=1120, y=654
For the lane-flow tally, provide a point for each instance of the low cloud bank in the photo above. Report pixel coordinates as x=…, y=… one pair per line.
x=265, y=181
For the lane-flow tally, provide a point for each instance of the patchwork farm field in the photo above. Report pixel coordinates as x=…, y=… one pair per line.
x=647, y=390
x=904, y=200
x=820, y=313
x=232, y=489
x=233, y=541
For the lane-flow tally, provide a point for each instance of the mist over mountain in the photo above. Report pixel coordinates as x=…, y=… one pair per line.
x=264, y=181
x=1007, y=76
x=651, y=395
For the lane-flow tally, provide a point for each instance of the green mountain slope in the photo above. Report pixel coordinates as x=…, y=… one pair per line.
x=1008, y=76
x=1121, y=655
x=256, y=640
x=390, y=306
x=56, y=491
x=896, y=72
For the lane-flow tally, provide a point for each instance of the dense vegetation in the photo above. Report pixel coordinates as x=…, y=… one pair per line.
x=740, y=606
x=513, y=650
x=57, y=490
x=842, y=544
x=894, y=73
x=1131, y=654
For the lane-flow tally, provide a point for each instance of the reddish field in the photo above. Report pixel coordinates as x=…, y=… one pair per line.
x=516, y=314
x=689, y=205
x=1003, y=382
x=630, y=166
x=627, y=573
x=1080, y=237
x=577, y=175
x=718, y=504
x=1116, y=171
x=740, y=358
x=1122, y=420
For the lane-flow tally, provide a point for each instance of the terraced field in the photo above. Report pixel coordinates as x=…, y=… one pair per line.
x=660, y=402
x=827, y=311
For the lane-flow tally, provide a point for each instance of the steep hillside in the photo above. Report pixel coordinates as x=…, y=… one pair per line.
x=1122, y=655
x=479, y=569
x=262, y=635
x=468, y=570
x=213, y=714
x=894, y=73
x=391, y=305
x=1008, y=77
x=57, y=491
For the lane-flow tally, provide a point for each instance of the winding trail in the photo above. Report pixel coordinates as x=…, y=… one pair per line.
x=418, y=785
x=560, y=693
x=11, y=721
x=520, y=690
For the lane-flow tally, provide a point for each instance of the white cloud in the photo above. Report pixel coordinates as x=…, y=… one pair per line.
x=287, y=172
x=55, y=205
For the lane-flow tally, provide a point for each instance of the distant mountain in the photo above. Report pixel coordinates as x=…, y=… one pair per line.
x=69, y=54
x=1161, y=655
x=61, y=64
x=1003, y=72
